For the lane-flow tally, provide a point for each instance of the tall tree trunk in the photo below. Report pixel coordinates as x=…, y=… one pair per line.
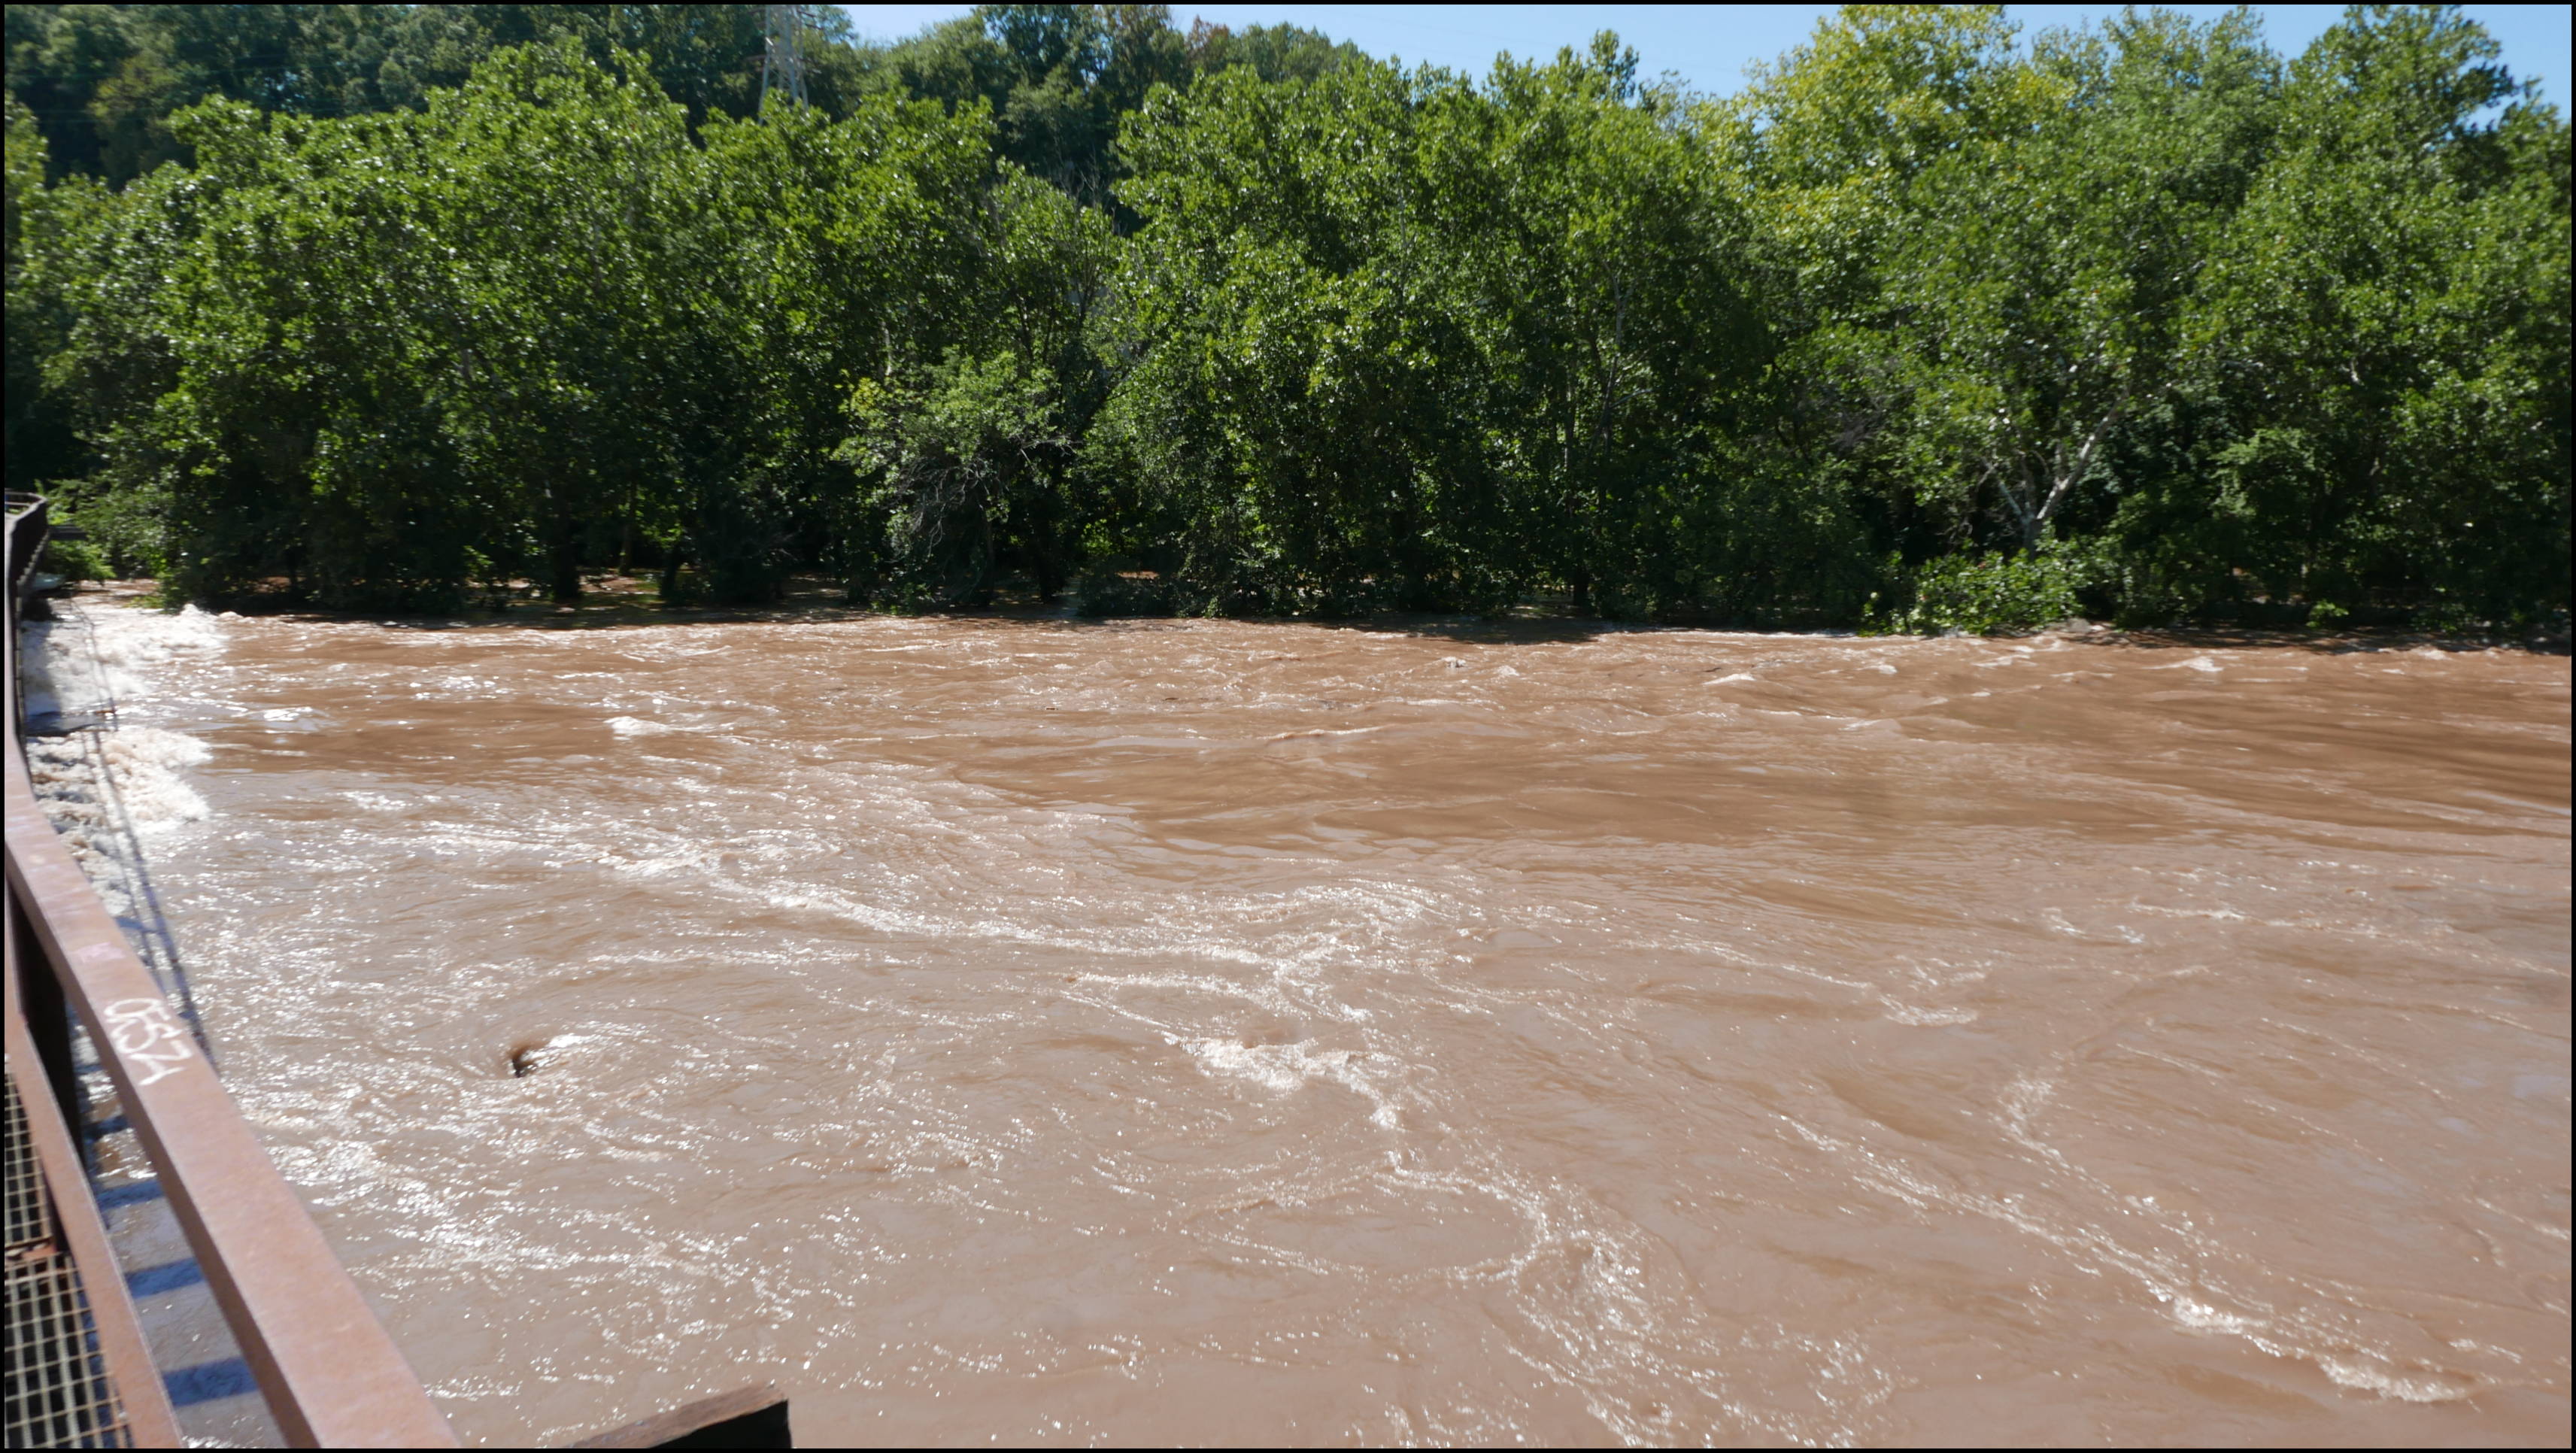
x=567, y=563
x=626, y=531
x=671, y=561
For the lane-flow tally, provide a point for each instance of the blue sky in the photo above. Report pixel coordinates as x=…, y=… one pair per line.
x=1708, y=45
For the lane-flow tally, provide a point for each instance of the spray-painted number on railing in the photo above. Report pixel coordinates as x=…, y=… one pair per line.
x=149, y=1036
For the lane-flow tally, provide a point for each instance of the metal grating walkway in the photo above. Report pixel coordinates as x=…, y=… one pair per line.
x=59, y=1394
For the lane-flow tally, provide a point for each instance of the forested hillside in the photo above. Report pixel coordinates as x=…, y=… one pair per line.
x=1936, y=323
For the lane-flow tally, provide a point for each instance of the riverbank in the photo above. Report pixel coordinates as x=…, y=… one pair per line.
x=611, y=600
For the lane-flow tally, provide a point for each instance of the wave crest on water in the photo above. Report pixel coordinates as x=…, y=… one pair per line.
x=1286, y=1068
x=144, y=767
x=133, y=645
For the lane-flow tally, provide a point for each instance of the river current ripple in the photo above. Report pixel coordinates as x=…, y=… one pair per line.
x=1040, y=1031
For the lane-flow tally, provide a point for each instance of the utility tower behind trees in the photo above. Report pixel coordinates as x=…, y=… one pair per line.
x=782, y=64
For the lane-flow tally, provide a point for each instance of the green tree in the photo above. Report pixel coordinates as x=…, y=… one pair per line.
x=105, y=80
x=42, y=445
x=1401, y=338
x=2386, y=323
x=1056, y=78
x=1273, y=52
x=2033, y=308
x=365, y=305
x=1300, y=380
x=853, y=252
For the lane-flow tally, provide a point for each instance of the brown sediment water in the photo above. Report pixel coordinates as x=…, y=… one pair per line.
x=1035, y=1031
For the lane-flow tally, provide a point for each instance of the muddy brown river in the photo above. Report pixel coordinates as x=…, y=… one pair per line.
x=1034, y=1031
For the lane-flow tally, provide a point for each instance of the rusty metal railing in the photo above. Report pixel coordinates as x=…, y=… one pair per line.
x=80, y=1375
x=328, y=1371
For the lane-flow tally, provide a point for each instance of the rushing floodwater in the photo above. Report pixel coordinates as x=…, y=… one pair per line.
x=1230, y=1032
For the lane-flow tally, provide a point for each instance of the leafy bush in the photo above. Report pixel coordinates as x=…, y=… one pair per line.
x=74, y=560
x=125, y=528
x=959, y=471
x=1984, y=595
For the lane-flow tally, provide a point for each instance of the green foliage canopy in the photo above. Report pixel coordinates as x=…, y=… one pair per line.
x=1933, y=324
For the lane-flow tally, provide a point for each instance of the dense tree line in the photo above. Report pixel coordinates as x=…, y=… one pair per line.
x=1933, y=323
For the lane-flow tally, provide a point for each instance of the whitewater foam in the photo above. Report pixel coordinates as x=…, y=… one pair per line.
x=1287, y=1068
